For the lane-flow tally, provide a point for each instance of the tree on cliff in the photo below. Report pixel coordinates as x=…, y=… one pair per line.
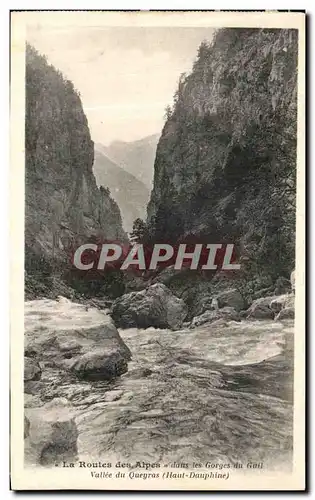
x=138, y=231
x=105, y=190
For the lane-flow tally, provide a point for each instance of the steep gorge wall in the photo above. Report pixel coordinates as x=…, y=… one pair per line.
x=63, y=206
x=226, y=160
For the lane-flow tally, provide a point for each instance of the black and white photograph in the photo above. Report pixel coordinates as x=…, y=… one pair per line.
x=161, y=275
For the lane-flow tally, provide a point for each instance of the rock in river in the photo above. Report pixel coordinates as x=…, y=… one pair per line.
x=231, y=298
x=267, y=307
x=155, y=306
x=100, y=365
x=68, y=337
x=286, y=313
x=261, y=308
x=226, y=313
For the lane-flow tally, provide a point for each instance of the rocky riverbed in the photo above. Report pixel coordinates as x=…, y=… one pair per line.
x=219, y=392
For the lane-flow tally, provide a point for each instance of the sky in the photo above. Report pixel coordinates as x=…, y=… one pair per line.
x=126, y=76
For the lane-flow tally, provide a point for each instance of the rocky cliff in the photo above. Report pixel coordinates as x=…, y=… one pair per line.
x=225, y=163
x=63, y=205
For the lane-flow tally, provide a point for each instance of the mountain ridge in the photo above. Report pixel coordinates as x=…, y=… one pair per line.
x=130, y=193
x=136, y=157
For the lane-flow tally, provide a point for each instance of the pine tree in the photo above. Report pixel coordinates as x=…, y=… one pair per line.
x=138, y=230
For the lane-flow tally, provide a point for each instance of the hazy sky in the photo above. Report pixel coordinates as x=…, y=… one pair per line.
x=126, y=76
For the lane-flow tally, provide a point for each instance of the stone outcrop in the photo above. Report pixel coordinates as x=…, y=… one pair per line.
x=226, y=313
x=261, y=308
x=230, y=298
x=155, y=306
x=100, y=364
x=273, y=307
x=50, y=434
x=71, y=338
x=286, y=313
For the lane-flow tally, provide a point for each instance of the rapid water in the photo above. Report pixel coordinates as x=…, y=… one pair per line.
x=213, y=393
x=219, y=392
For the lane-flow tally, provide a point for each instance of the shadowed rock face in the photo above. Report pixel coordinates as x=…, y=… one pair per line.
x=226, y=160
x=230, y=298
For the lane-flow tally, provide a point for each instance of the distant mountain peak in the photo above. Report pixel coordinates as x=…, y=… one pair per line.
x=143, y=140
x=136, y=157
x=130, y=194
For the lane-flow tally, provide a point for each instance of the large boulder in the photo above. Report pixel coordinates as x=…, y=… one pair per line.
x=287, y=313
x=189, y=285
x=260, y=308
x=100, y=365
x=207, y=299
x=226, y=313
x=50, y=433
x=268, y=307
x=155, y=306
x=62, y=335
x=230, y=298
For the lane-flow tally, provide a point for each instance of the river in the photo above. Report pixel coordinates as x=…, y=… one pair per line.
x=221, y=394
